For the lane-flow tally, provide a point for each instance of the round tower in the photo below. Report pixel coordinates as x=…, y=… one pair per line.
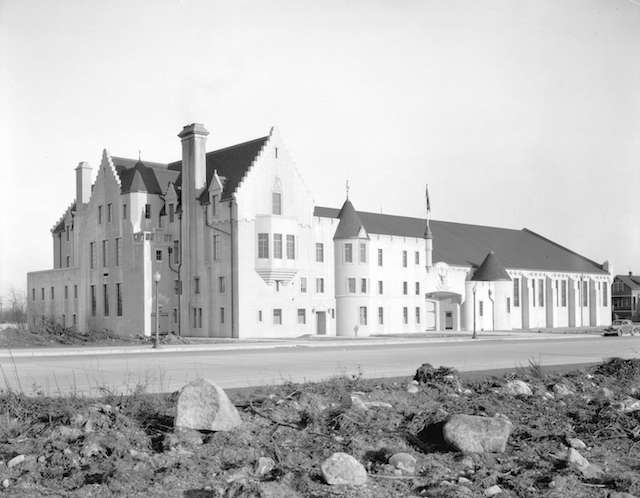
x=354, y=314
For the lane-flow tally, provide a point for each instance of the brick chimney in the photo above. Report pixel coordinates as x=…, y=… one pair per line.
x=83, y=183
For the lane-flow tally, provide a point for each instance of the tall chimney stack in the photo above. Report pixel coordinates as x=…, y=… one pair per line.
x=83, y=183
x=194, y=167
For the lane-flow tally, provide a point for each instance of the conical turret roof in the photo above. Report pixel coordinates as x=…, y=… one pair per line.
x=490, y=270
x=350, y=225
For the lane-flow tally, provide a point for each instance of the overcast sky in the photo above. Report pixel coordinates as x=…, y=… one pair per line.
x=517, y=113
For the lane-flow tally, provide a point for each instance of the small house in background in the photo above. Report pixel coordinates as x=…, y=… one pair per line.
x=625, y=294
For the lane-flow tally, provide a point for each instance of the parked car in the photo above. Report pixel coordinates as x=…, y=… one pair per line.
x=622, y=327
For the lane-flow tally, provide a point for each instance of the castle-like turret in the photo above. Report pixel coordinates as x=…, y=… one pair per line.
x=352, y=274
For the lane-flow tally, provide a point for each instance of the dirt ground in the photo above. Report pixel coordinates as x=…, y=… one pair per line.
x=127, y=446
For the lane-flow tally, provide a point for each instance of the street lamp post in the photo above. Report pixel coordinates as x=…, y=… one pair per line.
x=156, y=280
x=475, y=335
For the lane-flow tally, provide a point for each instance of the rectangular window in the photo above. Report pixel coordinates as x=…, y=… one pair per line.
x=379, y=257
x=119, y=299
x=221, y=315
x=541, y=293
x=105, y=296
x=363, y=285
x=319, y=285
x=563, y=288
x=557, y=294
x=52, y=292
x=605, y=297
x=42, y=293
x=64, y=321
x=33, y=294
x=417, y=257
x=75, y=321
x=67, y=234
x=516, y=292
x=508, y=305
x=68, y=261
x=196, y=285
x=417, y=314
x=124, y=211
x=302, y=316
x=303, y=284
x=216, y=242
x=158, y=255
x=221, y=285
x=147, y=211
x=175, y=315
x=177, y=286
x=99, y=215
x=405, y=288
x=104, y=254
x=351, y=285
x=363, y=253
x=93, y=300
x=405, y=315
x=176, y=252
x=277, y=316
x=417, y=288
x=533, y=291
x=263, y=245
x=75, y=291
x=92, y=256
x=380, y=315
x=319, y=252
x=109, y=213
x=291, y=247
x=276, y=203
x=348, y=253
x=585, y=293
x=380, y=287
x=404, y=259
x=199, y=318
x=259, y=315
x=363, y=315
x=117, y=251
x=66, y=292
x=481, y=308
x=172, y=212
x=213, y=204
x=277, y=245
x=195, y=317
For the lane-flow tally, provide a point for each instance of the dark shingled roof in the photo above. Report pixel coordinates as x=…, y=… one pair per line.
x=631, y=281
x=350, y=224
x=232, y=163
x=461, y=244
x=139, y=176
x=490, y=270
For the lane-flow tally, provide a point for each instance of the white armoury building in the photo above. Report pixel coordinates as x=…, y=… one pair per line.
x=242, y=251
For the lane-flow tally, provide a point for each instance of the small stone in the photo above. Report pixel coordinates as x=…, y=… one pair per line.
x=548, y=395
x=517, y=388
x=580, y=463
x=264, y=465
x=6, y=483
x=412, y=387
x=42, y=459
x=404, y=462
x=468, y=463
x=66, y=433
x=493, y=490
x=377, y=404
x=202, y=405
x=357, y=403
x=474, y=434
x=574, y=458
x=17, y=460
x=463, y=480
x=576, y=443
x=341, y=468
x=562, y=390
x=604, y=394
x=628, y=405
x=91, y=448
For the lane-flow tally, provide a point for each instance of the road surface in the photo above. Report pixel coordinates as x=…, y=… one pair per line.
x=168, y=371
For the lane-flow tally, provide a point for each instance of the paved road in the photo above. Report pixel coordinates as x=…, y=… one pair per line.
x=163, y=372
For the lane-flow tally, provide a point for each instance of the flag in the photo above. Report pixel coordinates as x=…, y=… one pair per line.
x=428, y=203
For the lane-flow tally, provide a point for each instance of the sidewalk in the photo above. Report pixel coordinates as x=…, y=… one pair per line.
x=221, y=345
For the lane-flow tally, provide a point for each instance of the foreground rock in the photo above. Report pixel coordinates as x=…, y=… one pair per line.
x=517, y=388
x=341, y=468
x=202, y=405
x=404, y=462
x=576, y=461
x=473, y=434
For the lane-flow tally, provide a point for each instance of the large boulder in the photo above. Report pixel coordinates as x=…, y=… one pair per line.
x=341, y=468
x=517, y=388
x=202, y=405
x=474, y=434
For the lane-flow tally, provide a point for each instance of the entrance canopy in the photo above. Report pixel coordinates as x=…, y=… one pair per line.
x=443, y=295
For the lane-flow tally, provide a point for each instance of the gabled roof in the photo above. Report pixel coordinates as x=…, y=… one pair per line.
x=350, y=225
x=139, y=176
x=631, y=281
x=460, y=244
x=232, y=163
x=490, y=270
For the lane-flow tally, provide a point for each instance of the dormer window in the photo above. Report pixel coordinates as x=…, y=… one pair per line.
x=276, y=203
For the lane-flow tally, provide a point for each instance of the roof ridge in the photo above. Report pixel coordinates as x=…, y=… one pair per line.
x=563, y=247
x=229, y=147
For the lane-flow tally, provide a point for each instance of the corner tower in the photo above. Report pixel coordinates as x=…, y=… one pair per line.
x=352, y=274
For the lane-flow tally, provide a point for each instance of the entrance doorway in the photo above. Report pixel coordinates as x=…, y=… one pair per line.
x=448, y=309
x=448, y=320
x=321, y=322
